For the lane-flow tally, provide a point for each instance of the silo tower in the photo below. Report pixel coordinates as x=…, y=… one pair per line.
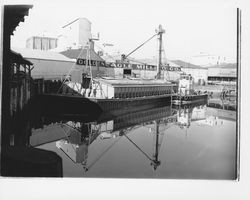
x=77, y=33
x=84, y=31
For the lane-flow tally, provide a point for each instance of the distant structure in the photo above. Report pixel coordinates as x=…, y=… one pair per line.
x=223, y=74
x=48, y=65
x=41, y=43
x=198, y=73
x=207, y=60
x=76, y=34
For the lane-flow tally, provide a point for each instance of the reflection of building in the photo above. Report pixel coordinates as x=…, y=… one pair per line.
x=222, y=114
x=49, y=133
x=75, y=146
x=194, y=113
x=211, y=121
x=184, y=118
x=218, y=110
x=198, y=113
x=223, y=104
x=223, y=108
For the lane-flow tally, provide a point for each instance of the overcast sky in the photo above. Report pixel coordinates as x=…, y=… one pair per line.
x=191, y=26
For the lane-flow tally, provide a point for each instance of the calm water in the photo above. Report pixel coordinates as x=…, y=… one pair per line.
x=197, y=142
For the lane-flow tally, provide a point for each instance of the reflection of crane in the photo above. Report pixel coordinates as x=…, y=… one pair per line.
x=158, y=138
x=122, y=132
x=157, y=146
x=89, y=133
x=84, y=163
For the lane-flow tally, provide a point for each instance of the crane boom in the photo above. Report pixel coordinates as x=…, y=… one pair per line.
x=125, y=56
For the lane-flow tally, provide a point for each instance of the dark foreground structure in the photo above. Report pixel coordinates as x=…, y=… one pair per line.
x=15, y=79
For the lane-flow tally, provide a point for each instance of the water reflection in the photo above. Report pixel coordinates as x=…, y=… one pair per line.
x=75, y=145
x=86, y=146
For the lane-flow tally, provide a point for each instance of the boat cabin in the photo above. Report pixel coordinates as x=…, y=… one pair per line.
x=186, y=84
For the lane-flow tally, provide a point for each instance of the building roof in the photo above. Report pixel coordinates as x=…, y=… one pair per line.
x=81, y=53
x=15, y=14
x=42, y=55
x=111, y=58
x=18, y=58
x=184, y=64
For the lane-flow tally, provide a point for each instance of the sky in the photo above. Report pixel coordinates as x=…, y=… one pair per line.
x=191, y=26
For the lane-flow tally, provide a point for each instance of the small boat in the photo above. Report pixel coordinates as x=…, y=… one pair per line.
x=186, y=93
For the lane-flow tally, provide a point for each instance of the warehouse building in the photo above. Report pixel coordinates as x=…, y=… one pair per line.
x=41, y=43
x=222, y=74
x=47, y=64
x=198, y=73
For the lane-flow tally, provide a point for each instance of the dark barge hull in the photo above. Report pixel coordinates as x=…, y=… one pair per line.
x=66, y=105
x=74, y=105
x=188, y=99
x=190, y=105
x=119, y=106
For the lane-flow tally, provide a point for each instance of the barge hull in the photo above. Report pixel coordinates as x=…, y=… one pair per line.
x=110, y=105
x=188, y=99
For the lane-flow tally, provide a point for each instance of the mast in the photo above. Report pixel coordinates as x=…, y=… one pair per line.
x=160, y=31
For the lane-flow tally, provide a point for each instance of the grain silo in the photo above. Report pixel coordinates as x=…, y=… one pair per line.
x=77, y=33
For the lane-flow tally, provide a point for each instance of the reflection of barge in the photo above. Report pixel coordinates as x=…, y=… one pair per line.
x=76, y=145
x=190, y=104
x=189, y=99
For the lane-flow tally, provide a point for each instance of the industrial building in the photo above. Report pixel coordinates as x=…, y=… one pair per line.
x=84, y=59
x=75, y=35
x=47, y=64
x=207, y=60
x=198, y=73
x=41, y=43
x=222, y=74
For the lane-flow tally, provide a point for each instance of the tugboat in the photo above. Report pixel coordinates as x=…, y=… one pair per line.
x=186, y=93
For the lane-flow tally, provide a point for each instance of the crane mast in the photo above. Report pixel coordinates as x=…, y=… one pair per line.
x=160, y=31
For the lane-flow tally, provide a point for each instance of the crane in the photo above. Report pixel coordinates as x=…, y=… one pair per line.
x=159, y=33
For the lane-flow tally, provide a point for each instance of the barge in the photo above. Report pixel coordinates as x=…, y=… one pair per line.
x=122, y=94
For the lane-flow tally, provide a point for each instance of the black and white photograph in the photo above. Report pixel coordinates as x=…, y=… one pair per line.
x=141, y=90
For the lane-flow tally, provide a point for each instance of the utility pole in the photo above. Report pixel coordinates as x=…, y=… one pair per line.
x=160, y=31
